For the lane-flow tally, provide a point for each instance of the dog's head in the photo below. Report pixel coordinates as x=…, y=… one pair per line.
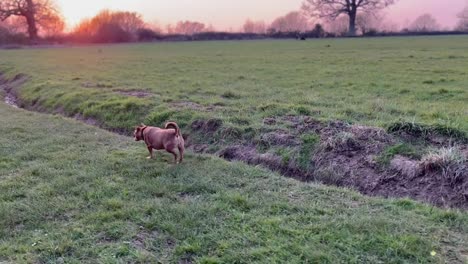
x=138, y=132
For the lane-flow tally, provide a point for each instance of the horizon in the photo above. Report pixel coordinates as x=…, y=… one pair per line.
x=223, y=15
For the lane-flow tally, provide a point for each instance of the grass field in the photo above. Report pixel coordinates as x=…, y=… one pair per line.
x=367, y=81
x=72, y=193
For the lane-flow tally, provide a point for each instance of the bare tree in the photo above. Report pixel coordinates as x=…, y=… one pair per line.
x=189, y=27
x=155, y=26
x=338, y=26
x=210, y=28
x=258, y=27
x=425, y=23
x=292, y=22
x=367, y=22
x=14, y=25
x=463, y=20
x=130, y=22
x=37, y=13
x=332, y=9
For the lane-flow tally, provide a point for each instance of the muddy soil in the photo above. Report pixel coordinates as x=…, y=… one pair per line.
x=347, y=155
x=9, y=88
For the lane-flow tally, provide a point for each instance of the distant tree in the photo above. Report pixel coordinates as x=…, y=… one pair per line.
x=339, y=26
x=462, y=24
x=51, y=25
x=110, y=33
x=110, y=26
x=189, y=27
x=36, y=14
x=154, y=26
x=248, y=26
x=332, y=9
x=170, y=29
x=367, y=22
x=389, y=26
x=14, y=25
x=257, y=27
x=318, y=31
x=292, y=22
x=210, y=28
x=424, y=23
x=130, y=22
x=148, y=34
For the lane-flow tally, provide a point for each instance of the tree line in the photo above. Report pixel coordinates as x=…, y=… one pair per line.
x=34, y=21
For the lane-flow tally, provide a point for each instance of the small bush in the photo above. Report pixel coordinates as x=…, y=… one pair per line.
x=343, y=141
x=443, y=159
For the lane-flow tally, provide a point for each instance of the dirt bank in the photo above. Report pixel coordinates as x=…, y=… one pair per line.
x=368, y=159
x=9, y=88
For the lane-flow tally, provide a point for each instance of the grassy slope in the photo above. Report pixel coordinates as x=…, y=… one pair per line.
x=368, y=81
x=74, y=193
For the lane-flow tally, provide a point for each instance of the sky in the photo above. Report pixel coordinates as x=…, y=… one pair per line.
x=231, y=14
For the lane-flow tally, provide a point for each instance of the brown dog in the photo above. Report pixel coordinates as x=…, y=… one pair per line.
x=157, y=138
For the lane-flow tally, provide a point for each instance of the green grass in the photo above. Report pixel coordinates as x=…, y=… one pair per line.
x=76, y=194
x=375, y=82
x=399, y=149
x=309, y=142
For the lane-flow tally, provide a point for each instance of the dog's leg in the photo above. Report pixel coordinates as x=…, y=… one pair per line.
x=173, y=151
x=181, y=153
x=150, y=149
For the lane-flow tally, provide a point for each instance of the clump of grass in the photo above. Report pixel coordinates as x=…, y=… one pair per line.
x=446, y=160
x=310, y=139
x=219, y=104
x=329, y=175
x=285, y=155
x=422, y=130
x=239, y=120
x=400, y=149
x=303, y=110
x=404, y=91
x=309, y=143
x=249, y=133
x=230, y=95
x=274, y=109
x=104, y=85
x=158, y=118
x=343, y=141
x=442, y=91
x=230, y=133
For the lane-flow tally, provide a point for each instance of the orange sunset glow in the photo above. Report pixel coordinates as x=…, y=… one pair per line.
x=227, y=14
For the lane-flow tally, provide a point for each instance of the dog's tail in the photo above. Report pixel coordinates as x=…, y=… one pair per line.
x=174, y=126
